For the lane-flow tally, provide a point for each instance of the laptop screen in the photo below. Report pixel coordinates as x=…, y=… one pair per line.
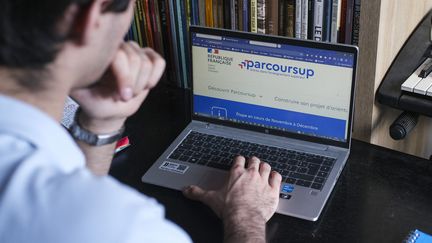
x=272, y=83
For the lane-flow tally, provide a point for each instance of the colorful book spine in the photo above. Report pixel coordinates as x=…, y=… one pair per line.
x=327, y=19
x=298, y=18
x=334, y=21
x=342, y=21
x=234, y=16
x=175, y=42
x=254, y=16
x=209, y=13
x=272, y=24
x=261, y=16
x=318, y=20
x=245, y=13
x=304, y=19
x=215, y=14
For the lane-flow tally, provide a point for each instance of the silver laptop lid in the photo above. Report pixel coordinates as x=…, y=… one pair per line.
x=275, y=85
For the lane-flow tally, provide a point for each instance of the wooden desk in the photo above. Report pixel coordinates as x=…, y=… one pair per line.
x=380, y=196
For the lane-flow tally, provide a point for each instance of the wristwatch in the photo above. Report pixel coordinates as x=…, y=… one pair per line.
x=84, y=135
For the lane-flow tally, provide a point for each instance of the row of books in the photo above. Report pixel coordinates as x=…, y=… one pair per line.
x=163, y=24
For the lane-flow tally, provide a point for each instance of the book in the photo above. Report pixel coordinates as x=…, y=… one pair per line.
x=253, y=16
x=202, y=12
x=240, y=13
x=356, y=23
x=334, y=21
x=234, y=16
x=304, y=19
x=272, y=14
x=220, y=13
x=290, y=20
x=298, y=18
x=318, y=20
x=311, y=10
x=215, y=13
x=245, y=13
x=209, y=13
x=349, y=21
x=342, y=21
x=417, y=236
x=175, y=55
x=227, y=13
x=261, y=16
x=327, y=19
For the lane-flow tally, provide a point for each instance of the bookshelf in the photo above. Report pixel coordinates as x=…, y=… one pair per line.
x=384, y=27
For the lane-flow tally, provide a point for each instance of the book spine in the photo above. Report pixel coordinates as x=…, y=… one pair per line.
x=245, y=13
x=175, y=43
x=254, y=16
x=311, y=10
x=165, y=31
x=209, y=13
x=349, y=21
x=356, y=23
x=240, y=14
x=290, y=18
x=327, y=19
x=149, y=30
x=202, y=12
x=194, y=12
x=272, y=17
x=220, y=10
x=304, y=19
x=318, y=20
x=334, y=21
x=227, y=13
x=298, y=18
x=342, y=21
x=141, y=22
x=233, y=10
x=282, y=17
x=215, y=14
x=261, y=16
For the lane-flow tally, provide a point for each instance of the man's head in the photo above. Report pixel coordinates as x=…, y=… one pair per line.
x=34, y=32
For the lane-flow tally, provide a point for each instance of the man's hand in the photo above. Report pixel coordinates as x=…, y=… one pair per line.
x=106, y=105
x=120, y=92
x=246, y=202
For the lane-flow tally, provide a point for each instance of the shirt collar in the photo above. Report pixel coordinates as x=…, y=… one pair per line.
x=31, y=124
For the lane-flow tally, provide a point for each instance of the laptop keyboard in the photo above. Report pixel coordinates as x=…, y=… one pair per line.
x=297, y=168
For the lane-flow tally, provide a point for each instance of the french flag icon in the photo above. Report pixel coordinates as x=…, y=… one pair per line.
x=213, y=51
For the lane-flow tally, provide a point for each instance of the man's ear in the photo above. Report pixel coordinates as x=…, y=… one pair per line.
x=87, y=22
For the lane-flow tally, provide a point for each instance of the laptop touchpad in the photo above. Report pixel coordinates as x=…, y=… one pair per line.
x=213, y=180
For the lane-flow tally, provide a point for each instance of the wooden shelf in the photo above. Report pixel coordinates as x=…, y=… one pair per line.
x=385, y=26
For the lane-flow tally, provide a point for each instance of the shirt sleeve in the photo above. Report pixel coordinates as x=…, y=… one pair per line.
x=83, y=208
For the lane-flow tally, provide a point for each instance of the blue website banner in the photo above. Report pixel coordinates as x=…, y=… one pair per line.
x=272, y=118
x=292, y=52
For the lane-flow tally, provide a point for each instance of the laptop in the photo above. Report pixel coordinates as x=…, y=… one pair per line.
x=287, y=101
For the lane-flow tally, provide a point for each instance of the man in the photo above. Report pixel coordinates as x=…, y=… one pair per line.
x=52, y=190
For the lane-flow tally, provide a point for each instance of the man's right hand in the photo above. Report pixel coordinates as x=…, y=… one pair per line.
x=246, y=202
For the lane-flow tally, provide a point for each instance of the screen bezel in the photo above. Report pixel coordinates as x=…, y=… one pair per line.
x=278, y=40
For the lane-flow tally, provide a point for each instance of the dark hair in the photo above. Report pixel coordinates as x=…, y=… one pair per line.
x=28, y=35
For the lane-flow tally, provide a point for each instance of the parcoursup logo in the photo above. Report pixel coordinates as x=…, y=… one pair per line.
x=214, y=56
x=277, y=69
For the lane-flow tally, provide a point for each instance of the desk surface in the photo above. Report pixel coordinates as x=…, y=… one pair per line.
x=380, y=196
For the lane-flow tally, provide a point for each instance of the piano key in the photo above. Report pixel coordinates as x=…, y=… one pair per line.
x=423, y=86
x=426, y=70
x=414, y=79
x=429, y=92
